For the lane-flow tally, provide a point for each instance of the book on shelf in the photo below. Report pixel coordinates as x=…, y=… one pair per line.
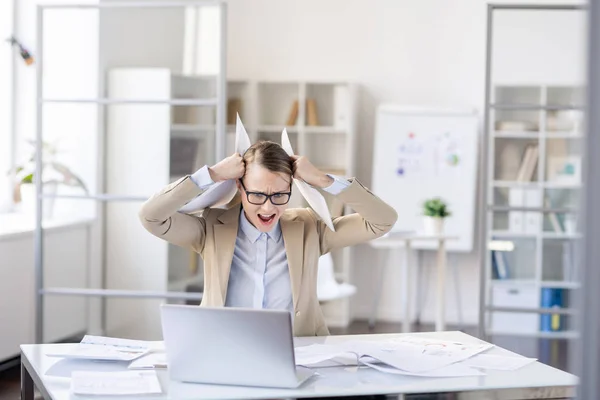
x=311, y=113
x=234, y=107
x=552, y=298
x=528, y=163
x=553, y=217
x=499, y=265
x=293, y=116
x=508, y=125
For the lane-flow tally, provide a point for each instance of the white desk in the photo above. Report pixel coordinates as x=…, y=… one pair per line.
x=394, y=241
x=535, y=380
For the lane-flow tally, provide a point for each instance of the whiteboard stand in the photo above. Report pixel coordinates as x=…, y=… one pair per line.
x=396, y=241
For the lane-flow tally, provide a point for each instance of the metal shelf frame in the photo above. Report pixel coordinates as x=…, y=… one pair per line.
x=219, y=102
x=486, y=184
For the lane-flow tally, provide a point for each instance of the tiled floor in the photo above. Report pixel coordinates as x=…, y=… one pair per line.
x=551, y=352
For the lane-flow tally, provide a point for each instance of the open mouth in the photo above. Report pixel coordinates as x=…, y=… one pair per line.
x=266, y=219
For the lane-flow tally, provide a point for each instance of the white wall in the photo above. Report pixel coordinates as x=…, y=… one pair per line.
x=426, y=52
x=136, y=37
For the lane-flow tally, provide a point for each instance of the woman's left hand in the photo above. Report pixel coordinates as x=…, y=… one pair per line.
x=306, y=171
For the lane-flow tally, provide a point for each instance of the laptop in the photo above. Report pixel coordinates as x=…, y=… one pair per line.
x=231, y=346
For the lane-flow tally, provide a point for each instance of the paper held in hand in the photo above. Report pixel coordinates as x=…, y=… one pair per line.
x=221, y=193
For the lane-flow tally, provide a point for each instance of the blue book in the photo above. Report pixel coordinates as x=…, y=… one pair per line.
x=551, y=297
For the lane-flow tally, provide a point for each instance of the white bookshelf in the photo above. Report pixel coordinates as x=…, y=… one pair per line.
x=184, y=140
x=329, y=143
x=534, y=214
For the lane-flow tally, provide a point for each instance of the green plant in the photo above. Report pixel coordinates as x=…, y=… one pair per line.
x=53, y=171
x=435, y=207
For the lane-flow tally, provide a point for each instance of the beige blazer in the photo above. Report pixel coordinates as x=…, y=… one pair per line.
x=212, y=233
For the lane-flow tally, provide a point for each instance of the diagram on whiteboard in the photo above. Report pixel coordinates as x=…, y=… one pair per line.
x=427, y=155
x=410, y=155
x=447, y=158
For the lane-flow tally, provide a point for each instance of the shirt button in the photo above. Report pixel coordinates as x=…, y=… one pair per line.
x=297, y=313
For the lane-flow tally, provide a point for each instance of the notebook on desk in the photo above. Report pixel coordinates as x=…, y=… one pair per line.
x=231, y=346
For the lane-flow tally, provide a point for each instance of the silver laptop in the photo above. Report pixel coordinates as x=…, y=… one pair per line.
x=231, y=346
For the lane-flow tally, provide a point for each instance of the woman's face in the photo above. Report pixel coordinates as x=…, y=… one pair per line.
x=259, y=180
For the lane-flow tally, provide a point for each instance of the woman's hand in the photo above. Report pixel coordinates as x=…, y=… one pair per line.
x=232, y=167
x=304, y=170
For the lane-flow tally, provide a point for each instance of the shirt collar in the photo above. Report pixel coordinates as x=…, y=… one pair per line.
x=253, y=234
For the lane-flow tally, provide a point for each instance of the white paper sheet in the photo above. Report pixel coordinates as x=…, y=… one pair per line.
x=497, y=362
x=316, y=354
x=65, y=367
x=221, y=193
x=312, y=196
x=450, y=371
x=413, y=355
x=436, y=347
x=150, y=361
x=106, y=349
x=115, y=383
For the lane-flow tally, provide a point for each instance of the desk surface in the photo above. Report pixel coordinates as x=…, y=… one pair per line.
x=535, y=380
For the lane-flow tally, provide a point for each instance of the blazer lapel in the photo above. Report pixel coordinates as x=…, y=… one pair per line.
x=293, y=237
x=225, y=236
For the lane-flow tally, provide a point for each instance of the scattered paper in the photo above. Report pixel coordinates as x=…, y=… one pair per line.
x=115, y=383
x=150, y=361
x=312, y=196
x=411, y=355
x=449, y=371
x=497, y=362
x=435, y=347
x=316, y=354
x=221, y=193
x=63, y=368
x=107, y=349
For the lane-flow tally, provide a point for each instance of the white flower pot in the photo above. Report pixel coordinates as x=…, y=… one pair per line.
x=433, y=225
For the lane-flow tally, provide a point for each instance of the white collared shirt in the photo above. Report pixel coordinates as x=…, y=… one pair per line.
x=259, y=275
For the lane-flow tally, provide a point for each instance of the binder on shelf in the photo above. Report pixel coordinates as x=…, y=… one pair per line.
x=532, y=219
x=516, y=219
x=552, y=298
x=341, y=104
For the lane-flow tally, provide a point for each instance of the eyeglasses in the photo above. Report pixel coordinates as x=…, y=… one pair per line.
x=258, y=198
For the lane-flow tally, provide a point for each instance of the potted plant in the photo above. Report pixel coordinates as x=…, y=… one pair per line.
x=435, y=210
x=54, y=174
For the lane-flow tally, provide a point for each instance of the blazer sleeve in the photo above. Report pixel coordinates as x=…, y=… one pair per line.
x=160, y=216
x=372, y=218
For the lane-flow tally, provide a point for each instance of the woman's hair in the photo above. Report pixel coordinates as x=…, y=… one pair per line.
x=269, y=155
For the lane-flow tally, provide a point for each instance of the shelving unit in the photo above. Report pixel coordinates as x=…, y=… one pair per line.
x=532, y=209
x=189, y=133
x=328, y=141
x=147, y=116
x=531, y=170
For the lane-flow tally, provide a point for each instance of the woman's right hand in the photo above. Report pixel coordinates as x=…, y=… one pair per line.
x=232, y=167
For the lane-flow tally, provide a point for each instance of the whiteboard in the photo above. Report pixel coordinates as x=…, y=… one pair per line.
x=425, y=153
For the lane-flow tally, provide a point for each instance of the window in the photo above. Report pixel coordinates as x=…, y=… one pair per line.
x=6, y=97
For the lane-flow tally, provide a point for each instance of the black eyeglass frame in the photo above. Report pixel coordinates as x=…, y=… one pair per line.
x=266, y=196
